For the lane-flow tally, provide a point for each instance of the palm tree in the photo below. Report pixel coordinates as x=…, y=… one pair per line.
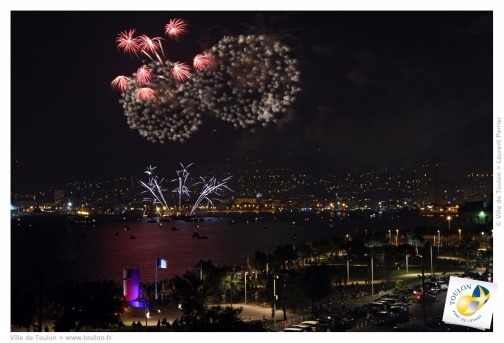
x=485, y=259
x=469, y=249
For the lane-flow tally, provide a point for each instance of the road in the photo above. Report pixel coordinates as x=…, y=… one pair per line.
x=170, y=312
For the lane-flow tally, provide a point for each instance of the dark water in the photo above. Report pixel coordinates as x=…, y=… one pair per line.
x=96, y=252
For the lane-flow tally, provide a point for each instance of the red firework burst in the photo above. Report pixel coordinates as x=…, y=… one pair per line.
x=127, y=42
x=120, y=83
x=145, y=93
x=149, y=44
x=176, y=28
x=180, y=71
x=144, y=75
x=200, y=61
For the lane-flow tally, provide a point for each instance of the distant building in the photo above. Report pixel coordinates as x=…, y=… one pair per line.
x=478, y=187
x=59, y=197
x=432, y=184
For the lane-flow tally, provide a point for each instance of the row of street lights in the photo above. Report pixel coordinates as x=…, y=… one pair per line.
x=275, y=276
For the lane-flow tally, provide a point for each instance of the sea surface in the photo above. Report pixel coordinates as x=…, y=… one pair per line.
x=48, y=248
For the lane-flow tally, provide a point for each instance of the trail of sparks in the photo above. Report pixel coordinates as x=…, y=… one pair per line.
x=182, y=179
x=209, y=188
x=144, y=75
x=200, y=61
x=145, y=93
x=120, y=83
x=180, y=71
x=128, y=43
x=153, y=187
x=176, y=28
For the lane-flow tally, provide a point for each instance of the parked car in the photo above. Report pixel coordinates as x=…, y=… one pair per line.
x=397, y=297
x=303, y=327
x=433, y=286
x=426, y=297
x=291, y=329
x=418, y=289
x=403, y=304
x=377, y=306
x=313, y=323
x=332, y=323
x=387, y=299
x=401, y=313
x=383, y=318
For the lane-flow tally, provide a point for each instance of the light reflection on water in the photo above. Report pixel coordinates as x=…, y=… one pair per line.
x=87, y=252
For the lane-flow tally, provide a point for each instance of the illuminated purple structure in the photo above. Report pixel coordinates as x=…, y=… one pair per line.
x=131, y=287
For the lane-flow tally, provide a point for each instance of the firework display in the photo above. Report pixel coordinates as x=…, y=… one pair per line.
x=209, y=188
x=155, y=191
x=254, y=82
x=182, y=179
x=158, y=106
x=244, y=80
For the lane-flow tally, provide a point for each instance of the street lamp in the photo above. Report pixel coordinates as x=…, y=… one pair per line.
x=449, y=218
x=397, y=237
x=275, y=296
x=407, y=255
x=438, y=241
x=348, y=268
x=372, y=276
x=389, y=237
x=460, y=234
x=245, y=278
x=431, y=266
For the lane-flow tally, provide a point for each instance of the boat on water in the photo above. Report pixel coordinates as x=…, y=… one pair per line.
x=197, y=235
x=186, y=218
x=82, y=220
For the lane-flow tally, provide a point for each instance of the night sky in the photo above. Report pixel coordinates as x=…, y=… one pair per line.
x=379, y=89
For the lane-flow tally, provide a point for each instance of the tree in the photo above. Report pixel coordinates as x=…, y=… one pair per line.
x=469, y=248
x=261, y=260
x=414, y=239
x=485, y=259
x=317, y=283
x=88, y=305
x=216, y=319
x=189, y=292
x=283, y=254
x=23, y=308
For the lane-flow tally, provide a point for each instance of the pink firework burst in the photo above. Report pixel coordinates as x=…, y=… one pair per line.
x=145, y=93
x=144, y=75
x=180, y=71
x=200, y=61
x=127, y=42
x=149, y=44
x=120, y=83
x=176, y=28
